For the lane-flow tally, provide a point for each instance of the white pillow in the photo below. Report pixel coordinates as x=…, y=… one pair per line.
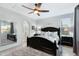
x=46, y=33
x=51, y=34
x=42, y=33
x=54, y=34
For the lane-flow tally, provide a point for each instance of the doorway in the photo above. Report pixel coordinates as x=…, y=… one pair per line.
x=26, y=26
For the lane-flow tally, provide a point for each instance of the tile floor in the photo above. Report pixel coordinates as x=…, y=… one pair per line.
x=66, y=51
x=6, y=42
x=27, y=52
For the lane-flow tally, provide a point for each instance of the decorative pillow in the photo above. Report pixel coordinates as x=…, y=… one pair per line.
x=42, y=33
x=46, y=33
x=50, y=34
x=54, y=34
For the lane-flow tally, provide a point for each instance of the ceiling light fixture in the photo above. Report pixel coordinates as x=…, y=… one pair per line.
x=36, y=9
x=36, y=12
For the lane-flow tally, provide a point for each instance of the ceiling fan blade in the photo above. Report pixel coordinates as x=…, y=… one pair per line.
x=30, y=12
x=38, y=14
x=27, y=7
x=43, y=10
x=38, y=5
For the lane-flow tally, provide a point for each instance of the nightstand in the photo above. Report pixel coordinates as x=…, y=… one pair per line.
x=67, y=40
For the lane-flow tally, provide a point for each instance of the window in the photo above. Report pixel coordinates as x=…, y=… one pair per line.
x=66, y=26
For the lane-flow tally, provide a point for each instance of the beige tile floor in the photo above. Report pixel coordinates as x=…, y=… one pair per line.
x=5, y=41
x=27, y=52
x=66, y=51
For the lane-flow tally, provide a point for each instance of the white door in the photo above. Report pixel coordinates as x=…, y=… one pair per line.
x=26, y=29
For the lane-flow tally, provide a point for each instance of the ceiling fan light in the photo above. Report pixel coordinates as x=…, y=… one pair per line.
x=35, y=12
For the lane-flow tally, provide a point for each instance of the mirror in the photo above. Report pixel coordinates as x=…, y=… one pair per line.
x=7, y=33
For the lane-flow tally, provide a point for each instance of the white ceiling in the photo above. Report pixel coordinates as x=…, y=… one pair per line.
x=55, y=9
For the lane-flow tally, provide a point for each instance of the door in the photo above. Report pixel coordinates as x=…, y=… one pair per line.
x=76, y=31
x=26, y=31
x=26, y=28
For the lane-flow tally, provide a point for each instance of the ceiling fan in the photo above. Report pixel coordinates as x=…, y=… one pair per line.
x=36, y=9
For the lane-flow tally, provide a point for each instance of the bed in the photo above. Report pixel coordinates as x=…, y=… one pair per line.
x=43, y=43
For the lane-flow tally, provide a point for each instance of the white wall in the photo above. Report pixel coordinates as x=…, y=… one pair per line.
x=18, y=21
x=53, y=21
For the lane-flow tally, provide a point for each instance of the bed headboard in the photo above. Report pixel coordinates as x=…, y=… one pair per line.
x=51, y=29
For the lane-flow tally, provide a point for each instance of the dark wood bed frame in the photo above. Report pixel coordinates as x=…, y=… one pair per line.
x=43, y=44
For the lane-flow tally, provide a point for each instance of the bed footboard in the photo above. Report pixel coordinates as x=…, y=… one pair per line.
x=42, y=44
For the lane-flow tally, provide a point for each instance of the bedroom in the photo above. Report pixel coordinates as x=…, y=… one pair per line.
x=24, y=26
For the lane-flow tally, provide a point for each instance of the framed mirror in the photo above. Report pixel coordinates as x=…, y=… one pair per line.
x=7, y=33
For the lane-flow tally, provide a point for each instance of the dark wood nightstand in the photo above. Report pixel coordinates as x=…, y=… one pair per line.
x=65, y=40
x=12, y=37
